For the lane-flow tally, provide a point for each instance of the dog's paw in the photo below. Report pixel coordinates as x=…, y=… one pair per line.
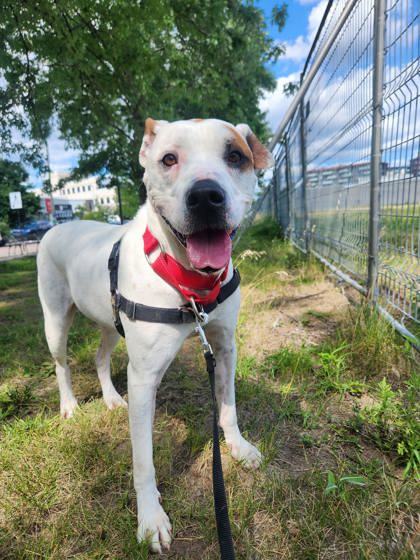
x=246, y=453
x=154, y=528
x=67, y=407
x=114, y=400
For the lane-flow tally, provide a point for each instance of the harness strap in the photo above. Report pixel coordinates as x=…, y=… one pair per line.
x=140, y=312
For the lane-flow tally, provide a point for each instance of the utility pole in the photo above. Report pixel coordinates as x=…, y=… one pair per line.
x=50, y=187
x=120, y=208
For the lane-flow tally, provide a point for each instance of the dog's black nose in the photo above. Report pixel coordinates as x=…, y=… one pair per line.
x=206, y=195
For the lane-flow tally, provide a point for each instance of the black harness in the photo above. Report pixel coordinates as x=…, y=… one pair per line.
x=187, y=313
x=140, y=312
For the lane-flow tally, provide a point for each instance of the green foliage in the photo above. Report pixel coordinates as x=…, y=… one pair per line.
x=334, y=373
x=14, y=400
x=260, y=234
x=395, y=421
x=263, y=256
x=13, y=177
x=279, y=15
x=338, y=485
x=288, y=362
x=247, y=367
x=4, y=229
x=101, y=68
x=375, y=346
x=290, y=88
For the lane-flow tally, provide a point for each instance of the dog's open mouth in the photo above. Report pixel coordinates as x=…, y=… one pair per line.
x=208, y=250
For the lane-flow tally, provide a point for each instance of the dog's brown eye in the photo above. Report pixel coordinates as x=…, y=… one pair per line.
x=234, y=157
x=169, y=160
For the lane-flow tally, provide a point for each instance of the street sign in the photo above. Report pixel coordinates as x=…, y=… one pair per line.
x=15, y=199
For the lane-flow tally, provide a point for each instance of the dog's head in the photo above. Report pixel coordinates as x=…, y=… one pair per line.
x=200, y=178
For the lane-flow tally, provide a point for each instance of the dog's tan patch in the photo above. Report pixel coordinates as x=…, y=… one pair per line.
x=240, y=144
x=149, y=127
x=262, y=157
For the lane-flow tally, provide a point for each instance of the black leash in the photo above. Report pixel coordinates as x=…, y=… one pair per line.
x=186, y=314
x=221, y=511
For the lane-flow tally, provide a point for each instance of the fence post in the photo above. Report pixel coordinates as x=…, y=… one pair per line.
x=275, y=194
x=375, y=166
x=306, y=229
x=288, y=186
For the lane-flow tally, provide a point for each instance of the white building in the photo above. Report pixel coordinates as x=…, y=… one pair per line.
x=82, y=193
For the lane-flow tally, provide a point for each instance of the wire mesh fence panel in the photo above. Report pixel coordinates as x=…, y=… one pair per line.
x=338, y=131
x=399, y=270
x=325, y=172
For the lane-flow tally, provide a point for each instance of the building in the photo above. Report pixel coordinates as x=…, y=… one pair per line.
x=84, y=193
x=415, y=166
x=347, y=175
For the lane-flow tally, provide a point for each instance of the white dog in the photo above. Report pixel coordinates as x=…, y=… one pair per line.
x=200, y=179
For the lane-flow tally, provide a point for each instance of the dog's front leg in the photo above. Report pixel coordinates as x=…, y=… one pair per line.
x=153, y=523
x=148, y=363
x=223, y=343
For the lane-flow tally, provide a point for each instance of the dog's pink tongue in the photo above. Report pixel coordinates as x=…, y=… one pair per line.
x=209, y=248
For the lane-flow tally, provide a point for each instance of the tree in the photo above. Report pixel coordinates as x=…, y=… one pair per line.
x=101, y=68
x=13, y=177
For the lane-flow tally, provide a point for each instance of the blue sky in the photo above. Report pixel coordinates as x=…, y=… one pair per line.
x=303, y=19
x=296, y=26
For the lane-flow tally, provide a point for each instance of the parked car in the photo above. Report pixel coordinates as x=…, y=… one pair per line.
x=114, y=219
x=32, y=230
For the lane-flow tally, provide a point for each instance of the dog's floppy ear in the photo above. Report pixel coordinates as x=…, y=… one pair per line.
x=151, y=128
x=262, y=156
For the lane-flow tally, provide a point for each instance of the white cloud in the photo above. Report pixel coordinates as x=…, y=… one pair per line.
x=275, y=103
x=315, y=17
x=62, y=158
x=298, y=50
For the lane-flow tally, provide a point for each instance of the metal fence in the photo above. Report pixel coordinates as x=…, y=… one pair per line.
x=346, y=180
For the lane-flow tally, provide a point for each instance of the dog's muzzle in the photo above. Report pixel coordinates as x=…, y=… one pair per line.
x=206, y=237
x=206, y=204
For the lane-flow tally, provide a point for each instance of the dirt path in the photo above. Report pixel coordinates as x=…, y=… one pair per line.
x=299, y=315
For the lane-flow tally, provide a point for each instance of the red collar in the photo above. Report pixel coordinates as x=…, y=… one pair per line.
x=204, y=288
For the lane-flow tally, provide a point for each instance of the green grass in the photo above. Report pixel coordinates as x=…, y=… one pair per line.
x=399, y=224
x=336, y=419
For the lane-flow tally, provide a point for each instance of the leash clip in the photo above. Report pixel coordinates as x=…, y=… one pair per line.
x=200, y=315
x=201, y=319
x=203, y=339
